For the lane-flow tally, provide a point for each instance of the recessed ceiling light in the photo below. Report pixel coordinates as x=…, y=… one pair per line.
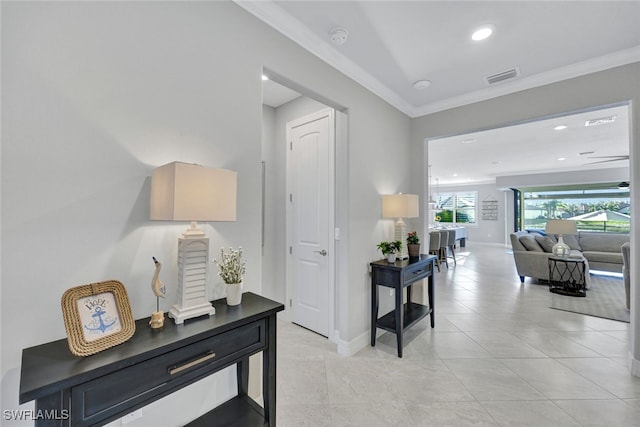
x=562, y=158
x=482, y=33
x=421, y=84
x=265, y=77
x=455, y=174
x=468, y=141
x=560, y=127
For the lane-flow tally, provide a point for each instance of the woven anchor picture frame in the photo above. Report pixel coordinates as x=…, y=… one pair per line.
x=97, y=316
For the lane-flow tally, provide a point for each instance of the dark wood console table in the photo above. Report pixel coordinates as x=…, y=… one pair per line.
x=400, y=275
x=97, y=389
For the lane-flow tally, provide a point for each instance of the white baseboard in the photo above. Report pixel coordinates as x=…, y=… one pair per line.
x=349, y=348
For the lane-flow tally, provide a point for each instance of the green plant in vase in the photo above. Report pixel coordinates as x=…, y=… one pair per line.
x=231, y=271
x=413, y=244
x=389, y=249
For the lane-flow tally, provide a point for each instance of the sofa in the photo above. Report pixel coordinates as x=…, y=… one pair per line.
x=601, y=251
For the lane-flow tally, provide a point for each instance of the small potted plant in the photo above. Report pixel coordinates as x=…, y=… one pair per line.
x=413, y=244
x=389, y=249
x=231, y=269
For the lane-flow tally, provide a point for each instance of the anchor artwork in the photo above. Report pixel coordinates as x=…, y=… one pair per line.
x=99, y=316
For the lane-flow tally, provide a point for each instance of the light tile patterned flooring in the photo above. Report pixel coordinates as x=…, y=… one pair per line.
x=499, y=356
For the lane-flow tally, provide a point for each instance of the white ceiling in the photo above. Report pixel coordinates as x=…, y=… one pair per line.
x=392, y=44
x=275, y=95
x=531, y=148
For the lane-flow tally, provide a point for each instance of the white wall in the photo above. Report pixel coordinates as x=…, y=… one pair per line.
x=95, y=95
x=484, y=231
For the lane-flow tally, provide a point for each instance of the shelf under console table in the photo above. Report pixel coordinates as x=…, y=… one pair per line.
x=97, y=389
x=399, y=275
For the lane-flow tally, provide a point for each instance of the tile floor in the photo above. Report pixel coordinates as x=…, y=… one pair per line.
x=499, y=356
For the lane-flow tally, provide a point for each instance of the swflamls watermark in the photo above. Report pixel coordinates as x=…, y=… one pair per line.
x=32, y=414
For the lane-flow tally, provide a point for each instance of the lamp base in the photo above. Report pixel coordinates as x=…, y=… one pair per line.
x=401, y=234
x=193, y=256
x=561, y=249
x=180, y=314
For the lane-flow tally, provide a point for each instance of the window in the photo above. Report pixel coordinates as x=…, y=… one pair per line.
x=456, y=208
x=597, y=207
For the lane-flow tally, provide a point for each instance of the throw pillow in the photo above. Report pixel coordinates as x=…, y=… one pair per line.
x=545, y=242
x=529, y=242
x=572, y=241
x=536, y=231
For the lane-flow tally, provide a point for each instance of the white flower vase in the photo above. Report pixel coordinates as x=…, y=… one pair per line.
x=391, y=258
x=234, y=293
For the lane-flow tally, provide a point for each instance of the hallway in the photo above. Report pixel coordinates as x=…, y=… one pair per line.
x=498, y=356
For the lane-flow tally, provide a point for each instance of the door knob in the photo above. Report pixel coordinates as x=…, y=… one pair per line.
x=322, y=252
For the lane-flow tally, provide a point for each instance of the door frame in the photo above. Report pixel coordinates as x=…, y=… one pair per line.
x=331, y=226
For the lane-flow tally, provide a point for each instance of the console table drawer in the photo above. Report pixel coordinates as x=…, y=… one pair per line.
x=413, y=273
x=103, y=397
x=386, y=277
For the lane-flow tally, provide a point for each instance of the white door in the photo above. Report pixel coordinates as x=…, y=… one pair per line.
x=310, y=218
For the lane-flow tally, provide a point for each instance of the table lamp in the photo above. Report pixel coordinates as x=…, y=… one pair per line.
x=188, y=192
x=400, y=206
x=560, y=227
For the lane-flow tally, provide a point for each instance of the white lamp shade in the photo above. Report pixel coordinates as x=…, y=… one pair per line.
x=561, y=226
x=188, y=192
x=400, y=206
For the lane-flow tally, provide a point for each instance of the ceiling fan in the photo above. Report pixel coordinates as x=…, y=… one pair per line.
x=610, y=159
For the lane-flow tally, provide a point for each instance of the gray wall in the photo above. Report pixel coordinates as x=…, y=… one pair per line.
x=97, y=94
x=271, y=248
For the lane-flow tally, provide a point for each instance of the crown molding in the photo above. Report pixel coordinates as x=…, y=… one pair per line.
x=578, y=69
x=277, y=18
x=283, y=22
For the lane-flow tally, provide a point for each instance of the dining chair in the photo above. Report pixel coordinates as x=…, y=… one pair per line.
x=434, y=246
x=444, y=242
x=451, y=244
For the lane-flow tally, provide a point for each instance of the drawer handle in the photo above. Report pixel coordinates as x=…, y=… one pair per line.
x=417, y=272
x=175, y=369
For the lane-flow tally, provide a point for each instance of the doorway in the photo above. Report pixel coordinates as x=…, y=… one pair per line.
x=310, y=219
x=278, y=249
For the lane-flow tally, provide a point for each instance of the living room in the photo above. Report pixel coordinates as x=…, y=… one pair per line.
x=96, y=95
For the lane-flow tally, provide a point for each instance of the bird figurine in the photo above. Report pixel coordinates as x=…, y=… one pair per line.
x=157, y=317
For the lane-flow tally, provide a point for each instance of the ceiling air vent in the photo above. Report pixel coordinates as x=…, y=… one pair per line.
x=505, y=75
x=600, y=121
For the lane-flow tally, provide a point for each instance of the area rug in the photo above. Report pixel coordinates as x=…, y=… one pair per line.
x=605, y=298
